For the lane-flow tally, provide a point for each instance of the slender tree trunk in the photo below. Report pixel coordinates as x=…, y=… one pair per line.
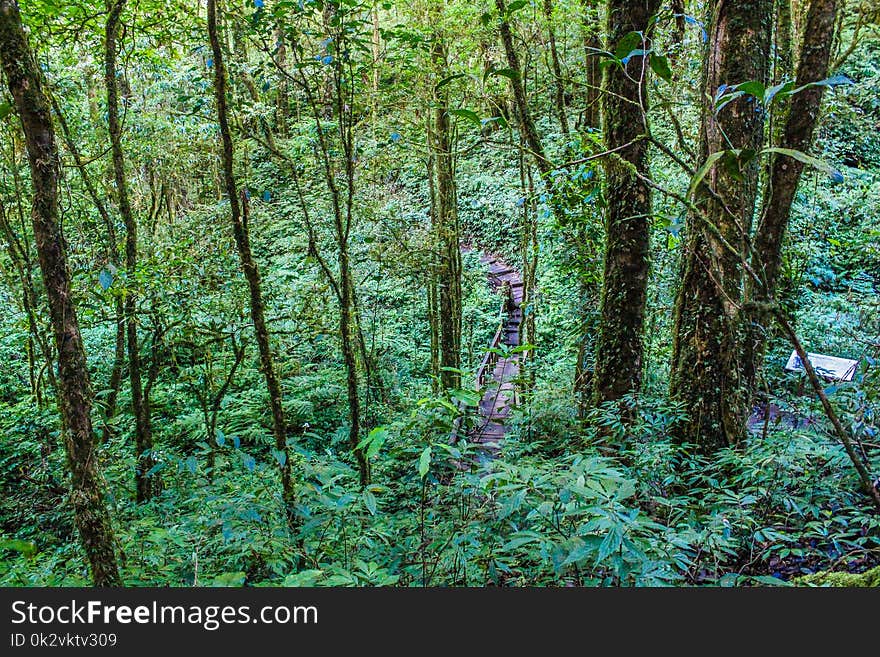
x=21, y=261
x=619, y=348
x=74, y=388
x=115, y=381
x=782, y=65
x=523, y=114
x=446, y=228
x=239, y=211
x=705, y=373
x=785, y=174
x=142, y=420
x=592, y=44
x=558, y=80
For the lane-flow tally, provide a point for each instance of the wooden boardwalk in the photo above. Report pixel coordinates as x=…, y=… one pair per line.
x=497, y=374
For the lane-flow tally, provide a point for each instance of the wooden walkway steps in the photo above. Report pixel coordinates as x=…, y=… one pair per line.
x=496, y=375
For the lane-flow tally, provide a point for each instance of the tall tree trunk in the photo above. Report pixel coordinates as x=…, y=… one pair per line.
x=523, y=114
x=628, y=211
x=142, y=420
x=113, y=256
x=785, y=174
x=17, y=250
x=592, y=44
x=446, y=228
x=74, y=388
x=238, y=210
x=558, y=81
x=705, y=372
x=782, y=65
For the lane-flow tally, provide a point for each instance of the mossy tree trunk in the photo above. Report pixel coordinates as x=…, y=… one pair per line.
x=619, y=346
x=74, y=387
x=241, y=234
x=113, y=257
x=592, y=115
x=556, y=68
x=140, y=407
x=446, y=225
x=705, y=372
x=785, y=173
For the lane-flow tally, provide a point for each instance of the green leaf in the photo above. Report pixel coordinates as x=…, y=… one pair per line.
x=470, y=115
x=373, y=441
x=24, y=547
x=610, y=545
x=516, y=5
x=834, y=81
x=447, y=80
x=105, y=278
x=280, y=456
x=814, y=162
x=5, y=110
x=425, y=461
x=770, y=580
x=752, y=88
x=369, y=501
x=467, y=397
x=303, y=578
x=703, y=170
x=627, y=44
x=780, y=90
x=509, y=73
x=229, y=579
x=660, y=66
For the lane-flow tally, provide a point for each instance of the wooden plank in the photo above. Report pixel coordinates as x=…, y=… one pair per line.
x=831, y=368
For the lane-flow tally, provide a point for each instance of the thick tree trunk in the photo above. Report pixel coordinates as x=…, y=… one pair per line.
x=447, y=229
x=238, y=210
x=74, y=389
x=627, y=214
x=785, y=174
x=705, y=372
x=142, y=420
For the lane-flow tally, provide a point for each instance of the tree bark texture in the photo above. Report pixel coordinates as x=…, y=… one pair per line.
x=74, y=388
x=705, y=373
x=142, y=420
x=785, y=174
x=239, y=215
x=619, y=348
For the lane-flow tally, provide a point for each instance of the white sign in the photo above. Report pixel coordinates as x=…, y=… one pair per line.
x=828, y=367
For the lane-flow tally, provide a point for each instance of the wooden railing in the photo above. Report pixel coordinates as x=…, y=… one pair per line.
x=487, y=365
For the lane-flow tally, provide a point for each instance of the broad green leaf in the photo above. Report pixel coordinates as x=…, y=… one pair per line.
x=703, y=170
x=447, y=80
x=369, y=501
x=627, y=44
x=229, y=579
x=468, y=397
x=660, y=66
x=752, y=88
x=814, y=162
x=24, y=547
x=303, y=578
x=425, y=461
x=470, y=115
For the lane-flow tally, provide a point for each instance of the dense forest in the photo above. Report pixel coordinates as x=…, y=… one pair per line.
x=439, y=293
